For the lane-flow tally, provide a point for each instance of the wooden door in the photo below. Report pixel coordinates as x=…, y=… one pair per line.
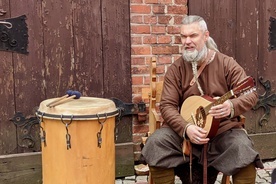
x=246, y=31
x=81, y=45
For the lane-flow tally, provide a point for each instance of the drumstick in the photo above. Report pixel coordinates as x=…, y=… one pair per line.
x=68, y=93
x=75, y=95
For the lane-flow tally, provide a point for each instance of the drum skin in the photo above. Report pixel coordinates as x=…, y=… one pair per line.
x=85, y=162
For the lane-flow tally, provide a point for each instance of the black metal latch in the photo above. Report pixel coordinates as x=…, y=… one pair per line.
x=272, y=34
x=131, y=108
x=14, y=35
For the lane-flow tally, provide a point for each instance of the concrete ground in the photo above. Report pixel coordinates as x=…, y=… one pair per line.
x=263, y=176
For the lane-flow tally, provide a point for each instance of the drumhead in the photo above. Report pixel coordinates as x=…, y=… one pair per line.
x=84, y=108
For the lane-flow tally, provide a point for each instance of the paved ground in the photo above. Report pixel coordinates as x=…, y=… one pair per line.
x=263, y=176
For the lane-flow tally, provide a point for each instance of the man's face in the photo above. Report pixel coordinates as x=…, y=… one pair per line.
x=193, y=40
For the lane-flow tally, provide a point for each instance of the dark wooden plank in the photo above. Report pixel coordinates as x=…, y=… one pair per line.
x=223, y=26
x=59, y=52
x=267, y=62
x=89, y=71
x=124, y=160
x=247, y=46
x=247, y=36
x=24, y=168
x=117, y=72
x=116, y=49
x=28, y=75
x=8, y=142
x=203, y=8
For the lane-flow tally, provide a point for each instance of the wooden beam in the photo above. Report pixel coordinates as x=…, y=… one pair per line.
x=23, y=168
x=265, y=144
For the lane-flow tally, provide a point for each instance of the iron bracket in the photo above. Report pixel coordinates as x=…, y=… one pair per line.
x=129, y=108
x=265, y=101
x=25, y=126
x=14, y=35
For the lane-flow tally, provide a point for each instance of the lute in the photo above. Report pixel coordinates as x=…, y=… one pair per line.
x=195, y=109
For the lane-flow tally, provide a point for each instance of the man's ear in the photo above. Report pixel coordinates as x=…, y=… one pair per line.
x=206, y=36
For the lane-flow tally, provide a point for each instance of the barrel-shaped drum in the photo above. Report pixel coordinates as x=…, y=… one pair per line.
x=78, y=141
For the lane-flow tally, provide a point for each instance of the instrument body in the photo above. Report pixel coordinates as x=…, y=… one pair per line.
x=193, y=112
x=195, y=109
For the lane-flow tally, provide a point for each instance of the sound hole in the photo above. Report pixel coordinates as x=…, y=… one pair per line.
x=200, y=117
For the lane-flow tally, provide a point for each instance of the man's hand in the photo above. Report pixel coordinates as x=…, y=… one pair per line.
x=221, y=110
x=197, y=135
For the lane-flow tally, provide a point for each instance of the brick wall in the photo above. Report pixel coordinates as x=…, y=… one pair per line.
x=155, y=27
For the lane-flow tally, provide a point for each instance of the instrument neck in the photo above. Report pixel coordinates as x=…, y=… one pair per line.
x=221, y=100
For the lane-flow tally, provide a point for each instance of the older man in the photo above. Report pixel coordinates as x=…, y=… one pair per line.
x=202, y=71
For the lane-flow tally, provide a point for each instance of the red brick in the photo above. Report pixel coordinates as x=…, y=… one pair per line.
x=177, y=10
x=140, y=29
x=151, y=1
x=160, y=69
x=177, y=40
x=173, y=29
x=178, y=19
x=140, y=129
x=158, y=29
x=148, y=60
x=164, y=19
x=165, y=1
x=139, y=70
x=136, y=40
x=140, y=50
x=137, y=60
x=138, y=19
x=149, y=19
x=181, y=2
x=136, y=1
x=140, y=9
x=146, y=80
x=150, y=39
x=165, y=50
x=158, y=9
x=137, y=80
x=165, y=60
x=164, y=39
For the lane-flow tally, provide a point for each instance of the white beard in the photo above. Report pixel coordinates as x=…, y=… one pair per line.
x=194, y=56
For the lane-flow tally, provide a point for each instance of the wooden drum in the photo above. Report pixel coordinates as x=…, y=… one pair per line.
x=78, y=145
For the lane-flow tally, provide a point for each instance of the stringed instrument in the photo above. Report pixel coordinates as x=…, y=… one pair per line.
x=195, y=109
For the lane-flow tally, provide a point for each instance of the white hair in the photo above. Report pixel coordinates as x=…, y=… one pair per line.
x=189, y=19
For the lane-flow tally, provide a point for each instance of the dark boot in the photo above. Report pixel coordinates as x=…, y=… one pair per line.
x=246, y=175
x=162, y=175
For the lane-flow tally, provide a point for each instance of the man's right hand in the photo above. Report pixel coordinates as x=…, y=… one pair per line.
x=197, y=135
